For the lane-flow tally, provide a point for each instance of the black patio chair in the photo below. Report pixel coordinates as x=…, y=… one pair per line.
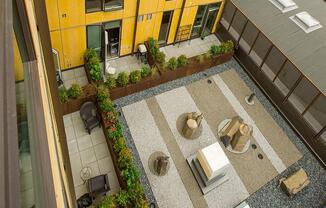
x=98, y=186
x=90, y=116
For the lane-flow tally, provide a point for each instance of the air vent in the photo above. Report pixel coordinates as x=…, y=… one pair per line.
x=306, y=22
x=284, y=5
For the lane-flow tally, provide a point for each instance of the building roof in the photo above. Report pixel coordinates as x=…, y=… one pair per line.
x=307, y=51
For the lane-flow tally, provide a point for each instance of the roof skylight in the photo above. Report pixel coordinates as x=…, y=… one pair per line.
x=306, y=22
x=284, y=5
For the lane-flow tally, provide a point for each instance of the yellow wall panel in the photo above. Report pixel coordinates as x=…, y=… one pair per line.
x=188, y=16
x=148, y=6
x=129, y=9
x=127, y=36
x=145, y=29
x=57, y=45
x=74, y=46
x=53, y=14
x=18, y=63
x=71, y=13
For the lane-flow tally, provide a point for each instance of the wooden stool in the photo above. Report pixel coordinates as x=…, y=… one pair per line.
x=241, y=137
x=295, y=183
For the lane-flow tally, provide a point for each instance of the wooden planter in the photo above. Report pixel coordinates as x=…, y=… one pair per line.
x=73, y=105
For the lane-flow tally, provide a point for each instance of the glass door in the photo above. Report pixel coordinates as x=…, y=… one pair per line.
x=199, y=21
x=204, y=20
x=165, y=27
x=112, y=39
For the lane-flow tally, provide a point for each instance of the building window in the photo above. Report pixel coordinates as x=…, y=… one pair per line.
x=303, y=95
x=248, y=37
x=273, y=63
x=287, y=78
x=94, y=40
x=237, y=25
x=112, y=5
x=316, y=115
x=140, y=18
x=260, y=49
x=93, y=5
x=228, y=14
x=103, y=5
x=149, y=16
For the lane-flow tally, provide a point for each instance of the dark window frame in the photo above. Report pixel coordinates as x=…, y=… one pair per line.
x=102, y=9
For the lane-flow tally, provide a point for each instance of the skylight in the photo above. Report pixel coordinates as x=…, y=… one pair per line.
x=306, y=22
x=284, y=5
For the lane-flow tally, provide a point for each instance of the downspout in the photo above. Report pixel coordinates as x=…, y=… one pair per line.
x=179, y=21
x=136, y=24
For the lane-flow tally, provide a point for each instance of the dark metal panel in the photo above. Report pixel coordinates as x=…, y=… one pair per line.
x=9, y=167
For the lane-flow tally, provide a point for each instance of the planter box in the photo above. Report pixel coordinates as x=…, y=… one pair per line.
x=89, y=94
x=144, y=84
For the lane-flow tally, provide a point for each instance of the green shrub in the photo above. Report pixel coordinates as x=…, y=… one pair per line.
x=119, y=144
x=106, y=105
x=114, y=131
x=182, y=61
x=110, y=82
x=95, y=72
x=63, y=95
x=90, y=53
x=172, y=63
x=75, y=91
x=125, y=158
x=131, y=175
x=207, y=55
x=160, y=57
x=146, y=71
x=135, y=76
x=123, y=79
x=152, y=43
x=93, y=61
x=200, y=58
x=108, y=202
x=102, y=93
x=227, y=46
x=122, y=199
x=215, y=50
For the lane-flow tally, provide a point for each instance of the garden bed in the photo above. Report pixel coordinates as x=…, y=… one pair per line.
x=73, y=105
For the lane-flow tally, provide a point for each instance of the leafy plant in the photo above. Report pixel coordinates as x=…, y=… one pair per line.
x=92, y=61
x=207, y=55
x=227, y=46
x=74, y=91
x=119, y=144
x=215, y=50
x=108, y=202
x=125, y=158
x=135, y=194
x=200, y=58
x=135, y=76
x=182, y=61
x=152, y=43
x=172, y=63
x=131, y=175
x=146, y=71
x=102, y=93
x=114, y=131
x=90, y=52
x=63, y=95
x=123, y=79
x=122, y=199
x=106, y=105
x=95, y=72
x=160, y=57
x=110, y=82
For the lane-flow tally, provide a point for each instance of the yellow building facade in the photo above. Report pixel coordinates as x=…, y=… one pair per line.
x=119, y=26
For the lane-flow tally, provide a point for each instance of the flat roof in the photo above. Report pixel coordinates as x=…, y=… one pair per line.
x=307, y=51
